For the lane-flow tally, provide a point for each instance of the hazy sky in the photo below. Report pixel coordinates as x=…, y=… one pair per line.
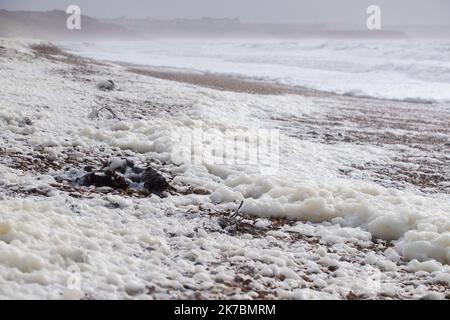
x=332, y=12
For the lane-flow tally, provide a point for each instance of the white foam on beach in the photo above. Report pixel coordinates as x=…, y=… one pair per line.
x=306, y=186
x=413, y=70
x=152, y=243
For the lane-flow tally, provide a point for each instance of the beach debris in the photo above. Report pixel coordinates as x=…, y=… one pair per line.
x=153, y=181
x=106, y=85
x=101, y=179
x=229, y=220
x=98, y=108
x=122, y=174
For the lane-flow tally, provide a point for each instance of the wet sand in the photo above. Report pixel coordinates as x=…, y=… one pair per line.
x=225, y=83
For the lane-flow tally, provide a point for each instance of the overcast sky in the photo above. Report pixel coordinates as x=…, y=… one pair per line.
x=332, y=12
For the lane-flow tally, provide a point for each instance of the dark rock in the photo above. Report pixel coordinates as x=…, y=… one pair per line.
x=153, y=181
x=130, y=163
x=127, y=177
x=104, y=179
x=88, y=169
x=201, y=191
x=333, y=268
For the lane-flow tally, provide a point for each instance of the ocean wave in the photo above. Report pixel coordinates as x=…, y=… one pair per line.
x=398, y=70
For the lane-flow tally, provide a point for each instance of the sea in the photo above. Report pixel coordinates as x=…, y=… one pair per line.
x=414, y=70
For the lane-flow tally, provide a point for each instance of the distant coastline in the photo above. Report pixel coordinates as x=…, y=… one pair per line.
x=51, y=25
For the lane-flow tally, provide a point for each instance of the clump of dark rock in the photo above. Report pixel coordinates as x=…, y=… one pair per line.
x=104, y=179
x=153, y=181
x=123, y=174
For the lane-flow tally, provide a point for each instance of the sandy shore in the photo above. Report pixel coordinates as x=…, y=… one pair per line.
x=225, y=83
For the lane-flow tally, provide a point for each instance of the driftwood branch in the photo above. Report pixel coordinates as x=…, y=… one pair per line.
x=95, y=113
x=237, y=211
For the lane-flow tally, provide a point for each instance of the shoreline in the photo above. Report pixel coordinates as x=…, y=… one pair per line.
x=224, y=82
